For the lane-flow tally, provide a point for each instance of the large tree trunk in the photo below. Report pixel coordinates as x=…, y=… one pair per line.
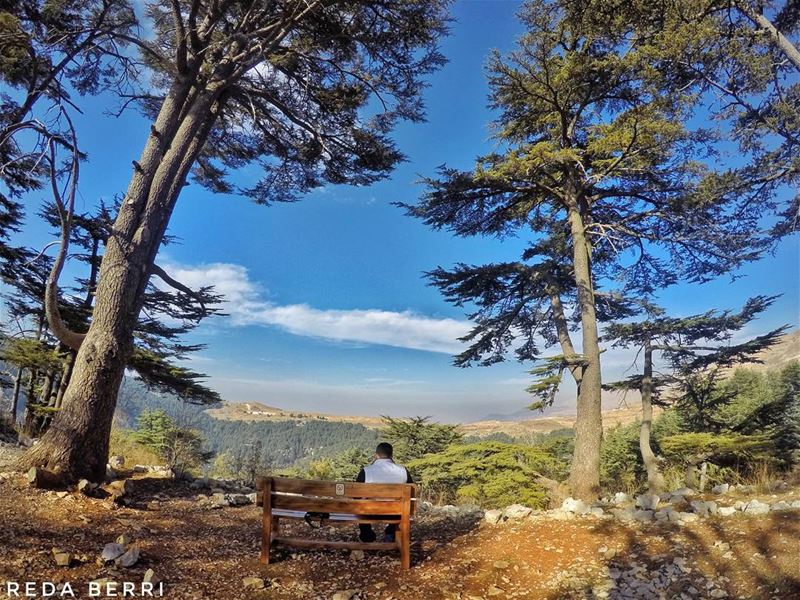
x=655, y=482
x=584, y=476
x=76, y=445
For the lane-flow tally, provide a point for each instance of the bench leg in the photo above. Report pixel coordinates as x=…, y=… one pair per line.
x=267, y=522
x=404, y=540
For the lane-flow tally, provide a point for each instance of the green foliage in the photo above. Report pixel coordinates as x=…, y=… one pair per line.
x=696, y=447
x=283, y=442
x=30, y=354
x=340, y=467
x=415, y=437
x=181, y=448
x=490, y=474
x=154, y=427
x=124, y=443
x=620, y=462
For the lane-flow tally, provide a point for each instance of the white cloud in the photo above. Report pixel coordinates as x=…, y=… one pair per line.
x=246, y=303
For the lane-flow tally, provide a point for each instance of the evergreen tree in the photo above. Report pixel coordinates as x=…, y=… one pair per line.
x=285, y=85
x=695, y=348
x=596, y=166
x=780, y=417
x=742, y=58
x=415, y=437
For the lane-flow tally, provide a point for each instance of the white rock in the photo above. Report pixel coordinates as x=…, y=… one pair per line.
x=684, y=491
x=116, y=462
x=596, y=511
x=726, y=511
x=150, y=577
x=647, y=501
x=754, y=507
x=722, y=488
x=237, y=499
x=516, y=512
x=688, y=517
x=782, y=505
x=739, y=505
x=493, y=516
x=704, y=509
x=579, y=507
x=344, y=595
x=795, y=504
x=621, y=498
x=623, y=514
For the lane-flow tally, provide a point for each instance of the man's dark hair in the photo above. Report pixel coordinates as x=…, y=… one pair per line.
x=384, y=450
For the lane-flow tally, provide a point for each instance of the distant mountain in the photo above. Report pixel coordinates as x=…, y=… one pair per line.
x=780, y=355
x=255, y=411
x=524, y=421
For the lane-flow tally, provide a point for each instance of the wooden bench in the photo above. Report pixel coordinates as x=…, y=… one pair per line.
x=346, y=503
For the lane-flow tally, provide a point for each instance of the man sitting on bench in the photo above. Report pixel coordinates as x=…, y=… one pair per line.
x=382, y=470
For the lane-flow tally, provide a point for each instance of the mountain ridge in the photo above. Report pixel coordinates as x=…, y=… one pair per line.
x=515, y=424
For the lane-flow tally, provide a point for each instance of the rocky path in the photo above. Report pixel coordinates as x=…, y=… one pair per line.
x=199, y=551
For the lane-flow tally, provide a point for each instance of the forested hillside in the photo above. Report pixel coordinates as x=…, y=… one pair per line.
x=283, y=442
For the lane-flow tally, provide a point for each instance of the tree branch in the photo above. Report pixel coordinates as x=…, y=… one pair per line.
x=165, y=277
x=65, y=211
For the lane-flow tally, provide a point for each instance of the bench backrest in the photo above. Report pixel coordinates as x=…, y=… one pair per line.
x=339, y=496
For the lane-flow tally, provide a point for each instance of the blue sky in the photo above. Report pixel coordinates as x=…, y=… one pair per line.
x=328, y=308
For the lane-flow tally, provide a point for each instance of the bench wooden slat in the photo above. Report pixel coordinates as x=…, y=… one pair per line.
x=335, y=517
x=305, y=543
x=329, y=505
x=351, y=489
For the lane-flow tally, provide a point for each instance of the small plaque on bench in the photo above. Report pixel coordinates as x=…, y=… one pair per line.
x=340, y=489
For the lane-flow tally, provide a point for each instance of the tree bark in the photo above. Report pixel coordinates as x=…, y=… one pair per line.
x=76, y=445
x=584, y=477
x=15, y=395
x=655, y=482
x=764, y=24
x=30, y=402
x=69, y=363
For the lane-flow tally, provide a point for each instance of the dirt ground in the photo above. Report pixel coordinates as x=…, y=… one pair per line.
x=203, y=553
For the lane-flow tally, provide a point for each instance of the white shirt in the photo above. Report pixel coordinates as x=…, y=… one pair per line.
x=385, y=470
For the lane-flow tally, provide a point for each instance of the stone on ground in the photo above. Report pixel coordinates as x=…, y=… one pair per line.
x=754, y=507
x=579, y=507
x=647, y=501
x=516, y=512
x=253, y=583
x=112, y=552
x=493, y=516
x=130, y=558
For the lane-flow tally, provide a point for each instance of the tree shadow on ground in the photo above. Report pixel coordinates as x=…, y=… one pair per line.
x=748, y=557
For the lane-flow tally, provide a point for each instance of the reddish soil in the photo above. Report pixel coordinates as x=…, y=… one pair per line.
x=203, y=553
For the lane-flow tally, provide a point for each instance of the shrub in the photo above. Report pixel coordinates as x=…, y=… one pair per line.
x=181, y=448
x=620, y=462
x=415, y=437
x=123, y=443
x=490, y=474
